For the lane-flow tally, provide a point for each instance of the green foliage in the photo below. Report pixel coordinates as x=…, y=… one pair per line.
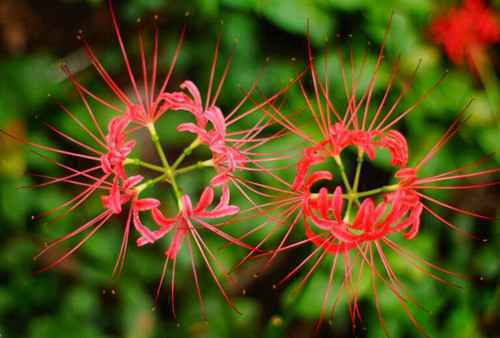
x=80, y=299
x=299, y=16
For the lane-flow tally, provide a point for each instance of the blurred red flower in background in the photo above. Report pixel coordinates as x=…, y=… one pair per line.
x=466, y=31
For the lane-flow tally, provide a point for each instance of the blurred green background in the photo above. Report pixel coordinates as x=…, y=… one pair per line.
x=79, y=299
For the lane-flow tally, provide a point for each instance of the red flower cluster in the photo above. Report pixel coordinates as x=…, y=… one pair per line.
x=398, y=211
x=344, y=222
x=112, y=162
x=466, y=32
x=341, y=222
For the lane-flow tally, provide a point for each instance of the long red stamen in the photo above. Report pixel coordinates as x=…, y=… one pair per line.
x=102, y=219
x=116, y=27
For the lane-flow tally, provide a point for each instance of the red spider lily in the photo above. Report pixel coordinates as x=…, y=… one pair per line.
x=466, y=32
x=231, y=150
x=372, y=221
x=363, y=230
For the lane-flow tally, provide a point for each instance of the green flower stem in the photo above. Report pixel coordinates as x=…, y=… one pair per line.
x=359, y=164
x=487, y=76
x=386, y=188
x=169, y=173
x=140, y=163
x=186, y=152
x=156, y=141
x=345, y=179
x=151, y=182
x=197, y=165
x=340, y=164
x=355, y=184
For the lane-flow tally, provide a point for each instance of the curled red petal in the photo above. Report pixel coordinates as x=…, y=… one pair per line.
x=229, y=210
x=147, y=235
x=160, y=219
x=145, y=204
x=317, y=176
x=132, y=181
x=323, y=202
x=337, y=203
x=206, y=199
x=176, y=243
x=414, y=219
